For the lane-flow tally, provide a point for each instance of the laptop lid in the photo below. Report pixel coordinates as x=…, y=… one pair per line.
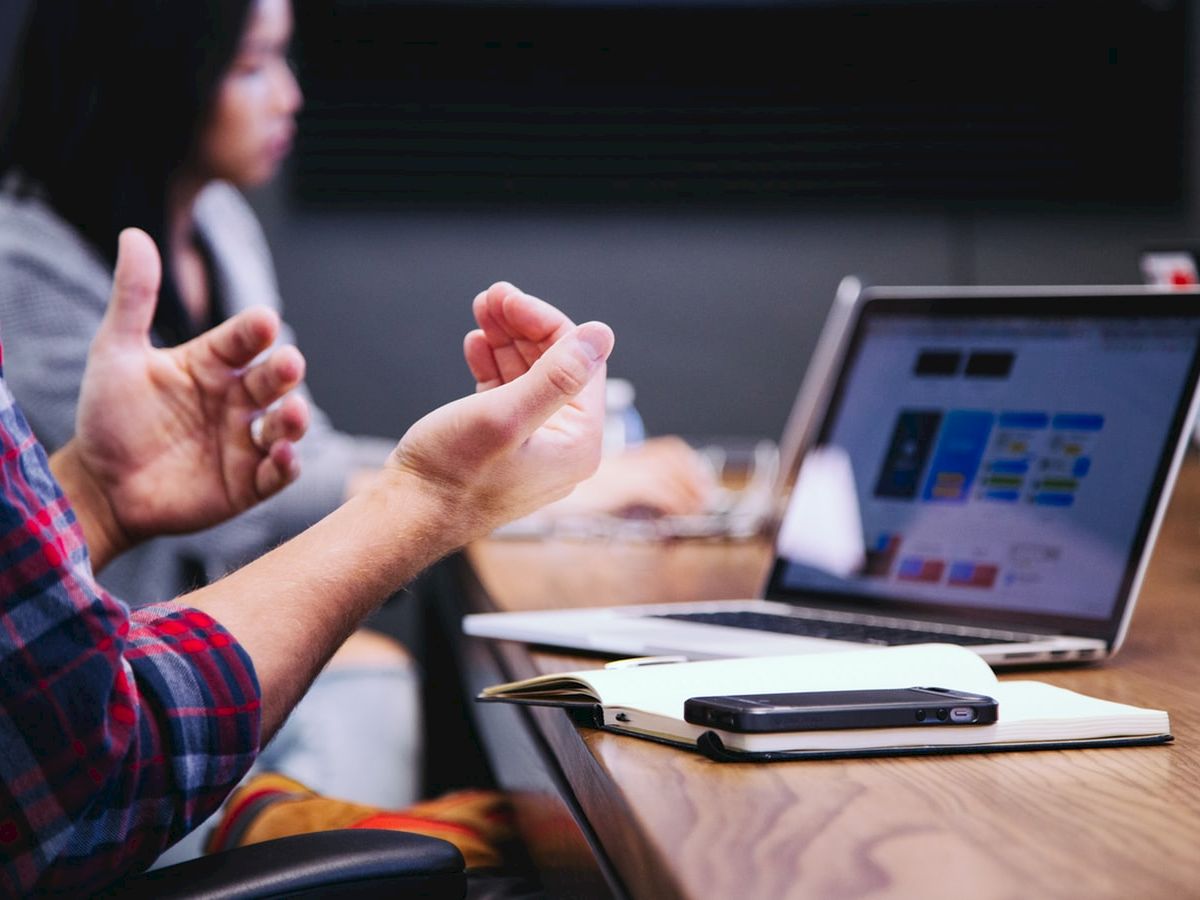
x=994, y=457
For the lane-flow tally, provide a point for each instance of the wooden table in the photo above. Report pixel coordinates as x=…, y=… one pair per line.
x=608, y=814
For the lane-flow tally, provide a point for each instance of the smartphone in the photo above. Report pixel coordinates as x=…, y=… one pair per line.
x=822, y=710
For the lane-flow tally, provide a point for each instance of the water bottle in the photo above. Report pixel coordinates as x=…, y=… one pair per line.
x=623, y=425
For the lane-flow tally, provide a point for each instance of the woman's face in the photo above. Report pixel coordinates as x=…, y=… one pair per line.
x=253, y=119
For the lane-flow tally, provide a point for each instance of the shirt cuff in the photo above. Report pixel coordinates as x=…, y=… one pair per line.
x=207, y=697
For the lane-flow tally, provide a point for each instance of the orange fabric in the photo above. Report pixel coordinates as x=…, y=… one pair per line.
x=272, y=806
x=236, y=809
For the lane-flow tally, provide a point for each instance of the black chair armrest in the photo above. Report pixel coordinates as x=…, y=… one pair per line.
x=349, y=863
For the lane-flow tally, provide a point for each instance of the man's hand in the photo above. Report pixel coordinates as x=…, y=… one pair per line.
x=532, y=430
x=514, y=330
x=664, y=476
x=163, y=438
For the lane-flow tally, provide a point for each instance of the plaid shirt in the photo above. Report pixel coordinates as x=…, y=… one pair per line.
x=119, y=733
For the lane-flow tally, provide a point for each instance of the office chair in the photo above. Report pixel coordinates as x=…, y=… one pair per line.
x=358, y=863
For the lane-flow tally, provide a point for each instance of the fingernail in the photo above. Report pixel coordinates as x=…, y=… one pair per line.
x=595, y=341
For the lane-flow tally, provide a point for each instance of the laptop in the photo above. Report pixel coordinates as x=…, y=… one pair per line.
x=980, y=466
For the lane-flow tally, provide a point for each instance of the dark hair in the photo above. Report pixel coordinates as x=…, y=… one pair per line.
x=107, y=103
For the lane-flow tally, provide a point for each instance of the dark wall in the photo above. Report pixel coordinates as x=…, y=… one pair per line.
x=12, y=15
x=756, y=103
x=715, y=307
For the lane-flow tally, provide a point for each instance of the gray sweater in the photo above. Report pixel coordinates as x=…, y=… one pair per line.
x=53, y=292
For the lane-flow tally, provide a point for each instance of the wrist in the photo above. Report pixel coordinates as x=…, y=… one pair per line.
x=359, y=481
x=102, y=530
x=416, y=506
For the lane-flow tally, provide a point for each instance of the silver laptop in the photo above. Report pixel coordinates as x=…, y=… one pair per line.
x=987, y=467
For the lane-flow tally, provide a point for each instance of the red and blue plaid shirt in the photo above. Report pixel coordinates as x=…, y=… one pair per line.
x=120, y=733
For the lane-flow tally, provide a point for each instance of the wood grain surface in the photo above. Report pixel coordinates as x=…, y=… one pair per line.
x=1098, y=823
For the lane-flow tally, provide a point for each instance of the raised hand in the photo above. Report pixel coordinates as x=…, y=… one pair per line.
x=164, y=437
x=533, y=429
x=515, y=329
x=664, y=476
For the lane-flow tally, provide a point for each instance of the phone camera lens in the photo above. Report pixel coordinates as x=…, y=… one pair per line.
x=943, y=715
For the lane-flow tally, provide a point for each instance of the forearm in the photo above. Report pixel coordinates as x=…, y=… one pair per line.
x=292, y=608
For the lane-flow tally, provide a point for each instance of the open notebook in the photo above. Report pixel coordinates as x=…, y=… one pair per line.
x=647, y=701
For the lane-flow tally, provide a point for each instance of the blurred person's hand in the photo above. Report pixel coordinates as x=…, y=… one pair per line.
x=661, y=477
x=165, y=439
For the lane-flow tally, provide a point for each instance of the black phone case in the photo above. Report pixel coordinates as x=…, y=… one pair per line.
x=930, y=710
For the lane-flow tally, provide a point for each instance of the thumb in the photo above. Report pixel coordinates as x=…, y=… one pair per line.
x=135, y=288
x=559, y=375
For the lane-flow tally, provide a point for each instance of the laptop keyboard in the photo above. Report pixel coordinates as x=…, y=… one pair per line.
x=839, y=631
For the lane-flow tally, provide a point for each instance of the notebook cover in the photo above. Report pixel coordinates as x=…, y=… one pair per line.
x=710, y=745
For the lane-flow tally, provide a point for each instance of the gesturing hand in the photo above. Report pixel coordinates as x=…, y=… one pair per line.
x=514, y=331
x=532, y=430
x=664, y=475
x=163, y=436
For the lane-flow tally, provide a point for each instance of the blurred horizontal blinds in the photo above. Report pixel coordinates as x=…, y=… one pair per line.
x=950, y=102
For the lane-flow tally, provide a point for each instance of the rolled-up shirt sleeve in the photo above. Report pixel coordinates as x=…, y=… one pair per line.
x=120, y=732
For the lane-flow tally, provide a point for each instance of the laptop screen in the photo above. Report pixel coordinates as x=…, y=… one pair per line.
x=1002, y=458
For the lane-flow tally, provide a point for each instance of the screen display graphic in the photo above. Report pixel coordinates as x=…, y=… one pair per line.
x=998, y=462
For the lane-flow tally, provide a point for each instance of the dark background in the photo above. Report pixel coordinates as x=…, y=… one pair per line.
x=559, y=102
x=700, y=174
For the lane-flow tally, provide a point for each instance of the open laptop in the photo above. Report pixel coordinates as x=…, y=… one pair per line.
x=986, y=467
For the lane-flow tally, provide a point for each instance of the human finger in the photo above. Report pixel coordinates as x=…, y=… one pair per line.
x=136, y=281
x=234, y=343
x=480, y=360
x=512, y=360
x=270, y=379
x=563, y=373
x=482, y=312
x=530, y=323
x=513, y=320
x=534, y=319
x=279, y=468
x=508, y=313
x=504, y=311
x=286, y=421
x=489, y=314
